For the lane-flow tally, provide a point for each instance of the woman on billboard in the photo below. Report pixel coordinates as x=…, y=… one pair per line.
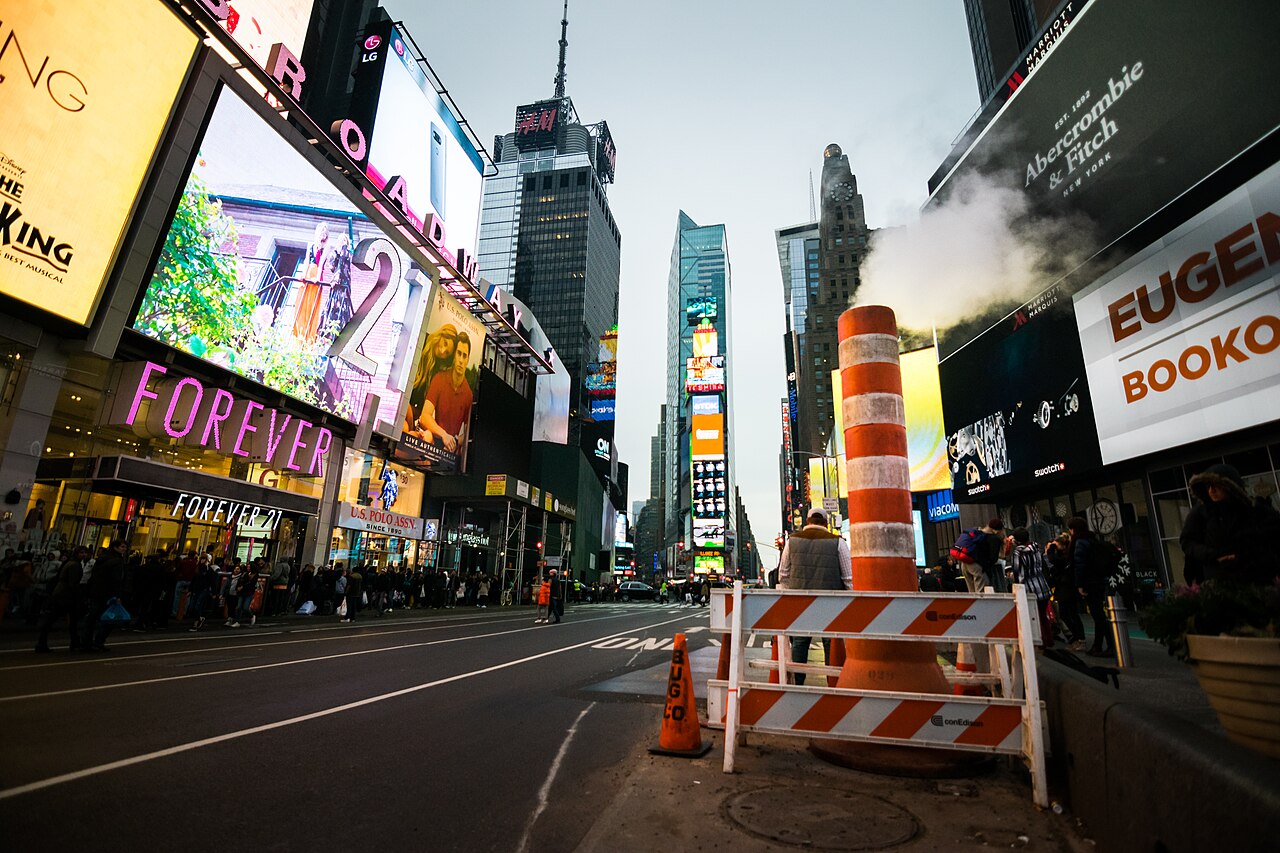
x=307, y=318
x=437, y=357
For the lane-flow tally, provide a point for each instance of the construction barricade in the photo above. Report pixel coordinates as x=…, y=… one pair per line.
x=1010, y=722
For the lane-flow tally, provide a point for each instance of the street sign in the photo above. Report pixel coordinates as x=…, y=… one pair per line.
x=831, y=504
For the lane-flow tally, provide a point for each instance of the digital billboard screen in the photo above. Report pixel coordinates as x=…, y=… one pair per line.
x=706, y=436
x=1180, y=340
x=412, y=134
x=86, y=90
x=442, y=392
x=700, y=308
x=539, y=125
x=269, y=272
x=1016, y=403
x=1101, y=125
x=926, y=436
x=704, y=374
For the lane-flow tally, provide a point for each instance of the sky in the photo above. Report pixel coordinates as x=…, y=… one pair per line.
x=720, y=108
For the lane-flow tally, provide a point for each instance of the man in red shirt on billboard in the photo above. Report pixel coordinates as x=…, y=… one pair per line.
x=448, y=405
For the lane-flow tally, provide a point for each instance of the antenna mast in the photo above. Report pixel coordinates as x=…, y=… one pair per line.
x=813, y=204
x=564, y=43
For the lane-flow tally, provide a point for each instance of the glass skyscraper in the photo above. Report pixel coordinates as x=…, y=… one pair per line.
x=699, y=321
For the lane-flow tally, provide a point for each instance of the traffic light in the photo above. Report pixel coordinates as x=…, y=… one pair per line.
x=539, y=546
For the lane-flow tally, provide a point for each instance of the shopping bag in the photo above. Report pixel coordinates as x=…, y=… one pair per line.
x=364, y=599
x=115, y=614
x=342, y=608
x=307, y=608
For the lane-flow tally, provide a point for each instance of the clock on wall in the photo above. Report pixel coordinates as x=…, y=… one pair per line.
x=842, y=191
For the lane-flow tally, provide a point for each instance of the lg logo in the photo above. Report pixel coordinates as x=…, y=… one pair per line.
x=372, y=42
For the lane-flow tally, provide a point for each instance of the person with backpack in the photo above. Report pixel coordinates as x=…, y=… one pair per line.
x=1028, y=569
x=1089, y=558
x=978, y=551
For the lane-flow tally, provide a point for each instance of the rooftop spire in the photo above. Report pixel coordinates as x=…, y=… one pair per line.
x=564, y=43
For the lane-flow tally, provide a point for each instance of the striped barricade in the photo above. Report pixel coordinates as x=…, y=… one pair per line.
x=1009, y=724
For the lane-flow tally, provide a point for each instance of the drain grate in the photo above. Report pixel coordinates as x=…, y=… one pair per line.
x=821, y=819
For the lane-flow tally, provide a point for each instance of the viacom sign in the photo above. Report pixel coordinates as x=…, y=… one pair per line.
x=942, y=506
x=1182, y=341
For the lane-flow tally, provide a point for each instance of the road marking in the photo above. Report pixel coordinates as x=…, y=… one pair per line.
x=544, y=793
x=166, y=678
x=41, y=784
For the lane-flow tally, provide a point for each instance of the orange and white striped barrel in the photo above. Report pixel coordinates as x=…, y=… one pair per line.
x=881, y=538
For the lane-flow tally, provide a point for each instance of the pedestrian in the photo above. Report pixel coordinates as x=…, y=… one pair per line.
x=1090, y=583
x=104, y=586
x=278, y=598
x=482, y=592
x=199, y=592
x=704, y=597
x=663, y=593
x=231, y=594
x=1066, y=594
x=1226, y=535
x=557, y=598
x=186, y=570
x=1028, y=569
x=65, y=600
x=543, y=586
x=355, y=588
x=814, y=558
x=979, y=550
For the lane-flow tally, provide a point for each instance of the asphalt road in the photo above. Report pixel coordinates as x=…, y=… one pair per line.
x=470, y=729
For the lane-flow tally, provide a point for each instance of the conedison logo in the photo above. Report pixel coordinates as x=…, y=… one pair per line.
x=939, y=721
x=935, y=616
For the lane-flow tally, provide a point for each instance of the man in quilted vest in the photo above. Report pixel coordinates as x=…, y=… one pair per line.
x=814, y=558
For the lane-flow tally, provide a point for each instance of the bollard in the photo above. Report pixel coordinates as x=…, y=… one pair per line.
x=1118, y=616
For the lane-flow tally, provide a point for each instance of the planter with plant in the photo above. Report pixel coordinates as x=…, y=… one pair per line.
x=1230, y=633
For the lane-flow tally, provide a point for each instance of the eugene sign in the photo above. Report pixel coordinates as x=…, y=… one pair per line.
x=1182, y=342
x=158, y=405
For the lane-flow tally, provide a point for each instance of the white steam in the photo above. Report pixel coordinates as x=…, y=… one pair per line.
x=979, y=248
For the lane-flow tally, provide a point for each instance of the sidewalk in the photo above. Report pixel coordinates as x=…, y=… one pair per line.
x=781, y=796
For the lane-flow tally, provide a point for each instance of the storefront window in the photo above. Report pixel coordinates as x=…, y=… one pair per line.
x=380, y=523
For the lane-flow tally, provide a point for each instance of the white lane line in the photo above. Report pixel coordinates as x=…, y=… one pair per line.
x=186, y=636
x=346, y=630
x=8, y=793
x=143, y=682
x=544, y=793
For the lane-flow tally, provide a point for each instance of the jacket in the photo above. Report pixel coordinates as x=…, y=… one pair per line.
x=544, y=593
x=1235, y=526
x=1028, y=569
x=815, y=558
x=108, y=573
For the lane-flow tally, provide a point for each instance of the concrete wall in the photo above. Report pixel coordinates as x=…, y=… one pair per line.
x=1144, y=780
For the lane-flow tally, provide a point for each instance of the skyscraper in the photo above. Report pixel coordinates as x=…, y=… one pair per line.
x=547, y=233
x=701, y=512
x=999, y=32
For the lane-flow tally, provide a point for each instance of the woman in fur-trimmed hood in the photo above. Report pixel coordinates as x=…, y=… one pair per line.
x=1228, y=535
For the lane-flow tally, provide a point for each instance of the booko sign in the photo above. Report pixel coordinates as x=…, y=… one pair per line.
x=1182, y=341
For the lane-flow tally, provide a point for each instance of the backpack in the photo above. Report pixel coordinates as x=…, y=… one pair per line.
x=966, y=548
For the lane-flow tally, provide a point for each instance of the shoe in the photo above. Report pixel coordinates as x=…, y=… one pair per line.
x=192, y=630
x=1076, y=645
x=228, y=622
x=253, y=620
x=200, y=623
x=233, y=624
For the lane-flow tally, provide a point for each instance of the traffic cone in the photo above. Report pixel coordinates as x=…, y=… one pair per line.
x=966, y=663
x=722, y=665
x=681, y=733
x=773, y=656
x=837, y=659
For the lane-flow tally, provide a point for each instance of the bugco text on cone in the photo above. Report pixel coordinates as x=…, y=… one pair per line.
x=681, y=733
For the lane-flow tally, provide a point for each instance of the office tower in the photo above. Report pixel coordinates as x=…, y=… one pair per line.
x=700, y=512
x=999, y=32
x=547, y=233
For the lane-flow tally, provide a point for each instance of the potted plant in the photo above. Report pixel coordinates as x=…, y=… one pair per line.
x=1230, y=633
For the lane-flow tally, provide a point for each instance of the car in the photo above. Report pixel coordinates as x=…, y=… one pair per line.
x=638, y=590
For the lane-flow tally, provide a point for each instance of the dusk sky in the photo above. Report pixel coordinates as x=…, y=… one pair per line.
x=721, y=109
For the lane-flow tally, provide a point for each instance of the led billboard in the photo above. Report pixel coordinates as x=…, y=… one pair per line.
x=269, y=272
x=1100, y=126
x=1017, y=405
x=704, y=375
x=700, y=308
x=926, y=436
x=706, y=436
x=539, y=125
x=1180, y=340
x=441, y=395
x=86, y=90
x=412, y=135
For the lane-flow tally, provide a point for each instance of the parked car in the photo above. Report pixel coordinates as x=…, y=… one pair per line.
x=638, y=590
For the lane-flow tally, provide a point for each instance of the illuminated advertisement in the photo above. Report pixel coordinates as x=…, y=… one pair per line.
x=708, y=482
x=256, y=25
x=706, y=436
x=941, y=506
x=708, y=533
x=602, y=378
x=609, y=345
x=551, y=390
x=442, y=392
x=606, y=154
x=826, y=480
x=604, y=409
x=1180, y=340
x=269, y=272
x=708, y=564
x=86, y=90
x=538, y=125
x=706, y=341
x=1028, y=419
x=416, y=150
x=700, y=308
x=621, y=529
x=926, y=437
x=1100, y=125
x=704, y=374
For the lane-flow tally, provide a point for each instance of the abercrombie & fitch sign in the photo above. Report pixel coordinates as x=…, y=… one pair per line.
x=157, y=404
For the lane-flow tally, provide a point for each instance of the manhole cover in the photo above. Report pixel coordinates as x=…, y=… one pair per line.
x=821, y=819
